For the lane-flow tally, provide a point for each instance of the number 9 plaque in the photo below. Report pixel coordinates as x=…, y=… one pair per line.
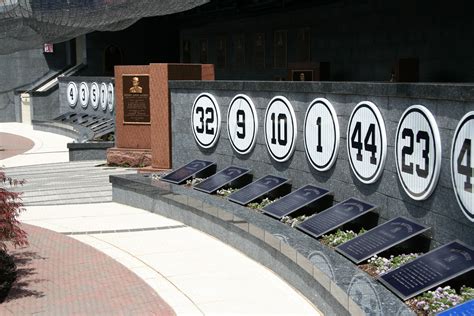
x=418, y=152
x=242, y=124
x=462, y=169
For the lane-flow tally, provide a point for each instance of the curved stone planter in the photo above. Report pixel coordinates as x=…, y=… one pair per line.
x=328, y=280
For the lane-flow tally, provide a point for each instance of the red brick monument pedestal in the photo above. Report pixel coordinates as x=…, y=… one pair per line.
x=142, y=121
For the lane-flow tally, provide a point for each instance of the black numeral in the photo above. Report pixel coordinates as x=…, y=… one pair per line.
x=408, y=150
x=282, y=123
x=83, y=95
x=466, y=169
x=71, y=94
x=424, y=172
x=205, y=120
x=319, y=148
x=369, y=142
x=241, y=123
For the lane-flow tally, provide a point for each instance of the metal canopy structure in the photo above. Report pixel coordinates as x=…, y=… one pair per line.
x=26, y=24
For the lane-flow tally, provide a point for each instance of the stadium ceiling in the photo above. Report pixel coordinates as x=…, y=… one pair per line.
x=26, y=24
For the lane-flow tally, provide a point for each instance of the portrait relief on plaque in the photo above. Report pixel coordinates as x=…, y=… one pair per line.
x=136, y=99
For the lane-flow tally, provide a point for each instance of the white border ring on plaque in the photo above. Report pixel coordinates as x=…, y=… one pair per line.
x=366, y=142
x=72, y=94
x=110, y=97
x=280, y=129
x=84, y=94
x=94, y=95
x=242, y=124
x=103, y=96
x=462, y=169
x=206, y=120
x=321, y=134
x=418, y=152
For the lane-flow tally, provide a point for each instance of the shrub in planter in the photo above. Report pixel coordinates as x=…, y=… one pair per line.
x=340, y=237
x=10, y=208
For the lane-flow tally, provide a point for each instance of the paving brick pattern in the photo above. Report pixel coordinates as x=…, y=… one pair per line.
x=12, y=145
x=58, y=275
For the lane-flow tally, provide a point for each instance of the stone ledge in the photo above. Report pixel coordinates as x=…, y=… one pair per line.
x=328, y=280
x=437, y=91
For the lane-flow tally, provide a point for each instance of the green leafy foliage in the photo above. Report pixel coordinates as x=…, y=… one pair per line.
x=340, y=237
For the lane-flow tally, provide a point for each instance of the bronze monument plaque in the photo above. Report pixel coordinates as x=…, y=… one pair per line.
x=136, y=99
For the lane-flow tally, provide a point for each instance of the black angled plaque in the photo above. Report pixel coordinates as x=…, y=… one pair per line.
x=380, y=238
x=221, y=179
x=335, y=216
x=194, y=168
x=257, y=189
x=430, y=270
x=291, y=203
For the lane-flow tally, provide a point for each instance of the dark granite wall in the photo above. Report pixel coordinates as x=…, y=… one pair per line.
x=448, y=103
x=362, y=40
x=22, y=69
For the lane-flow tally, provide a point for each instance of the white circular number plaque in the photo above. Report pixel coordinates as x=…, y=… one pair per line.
x=418, y=152
x=366, y=142
x=280, y=129
x=103, y=96
x=72, y=94
x=321, y=134
x=84, y=94
x=95, y=95
x=206, y=120
x=242, y=124
x=462, y=169
x=110, y=97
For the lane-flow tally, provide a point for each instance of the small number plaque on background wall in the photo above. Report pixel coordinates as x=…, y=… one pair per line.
x=84, y=94
x=72, y=94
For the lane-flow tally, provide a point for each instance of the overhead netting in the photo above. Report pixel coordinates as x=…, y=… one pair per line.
x=26, y=24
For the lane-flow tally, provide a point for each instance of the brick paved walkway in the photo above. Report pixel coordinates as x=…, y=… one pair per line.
x=58, y=275
x=12, y=145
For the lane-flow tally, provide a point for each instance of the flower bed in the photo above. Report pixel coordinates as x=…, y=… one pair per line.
x=340, y=237
x=432, y=302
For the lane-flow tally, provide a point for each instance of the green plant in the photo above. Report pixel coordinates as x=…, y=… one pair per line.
x=432, y=302
x=340, y=237
x=383, y=265
x=293, y=221
x=259, y=205
x=194, y=181
x=10, y=208
x=226, y=192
